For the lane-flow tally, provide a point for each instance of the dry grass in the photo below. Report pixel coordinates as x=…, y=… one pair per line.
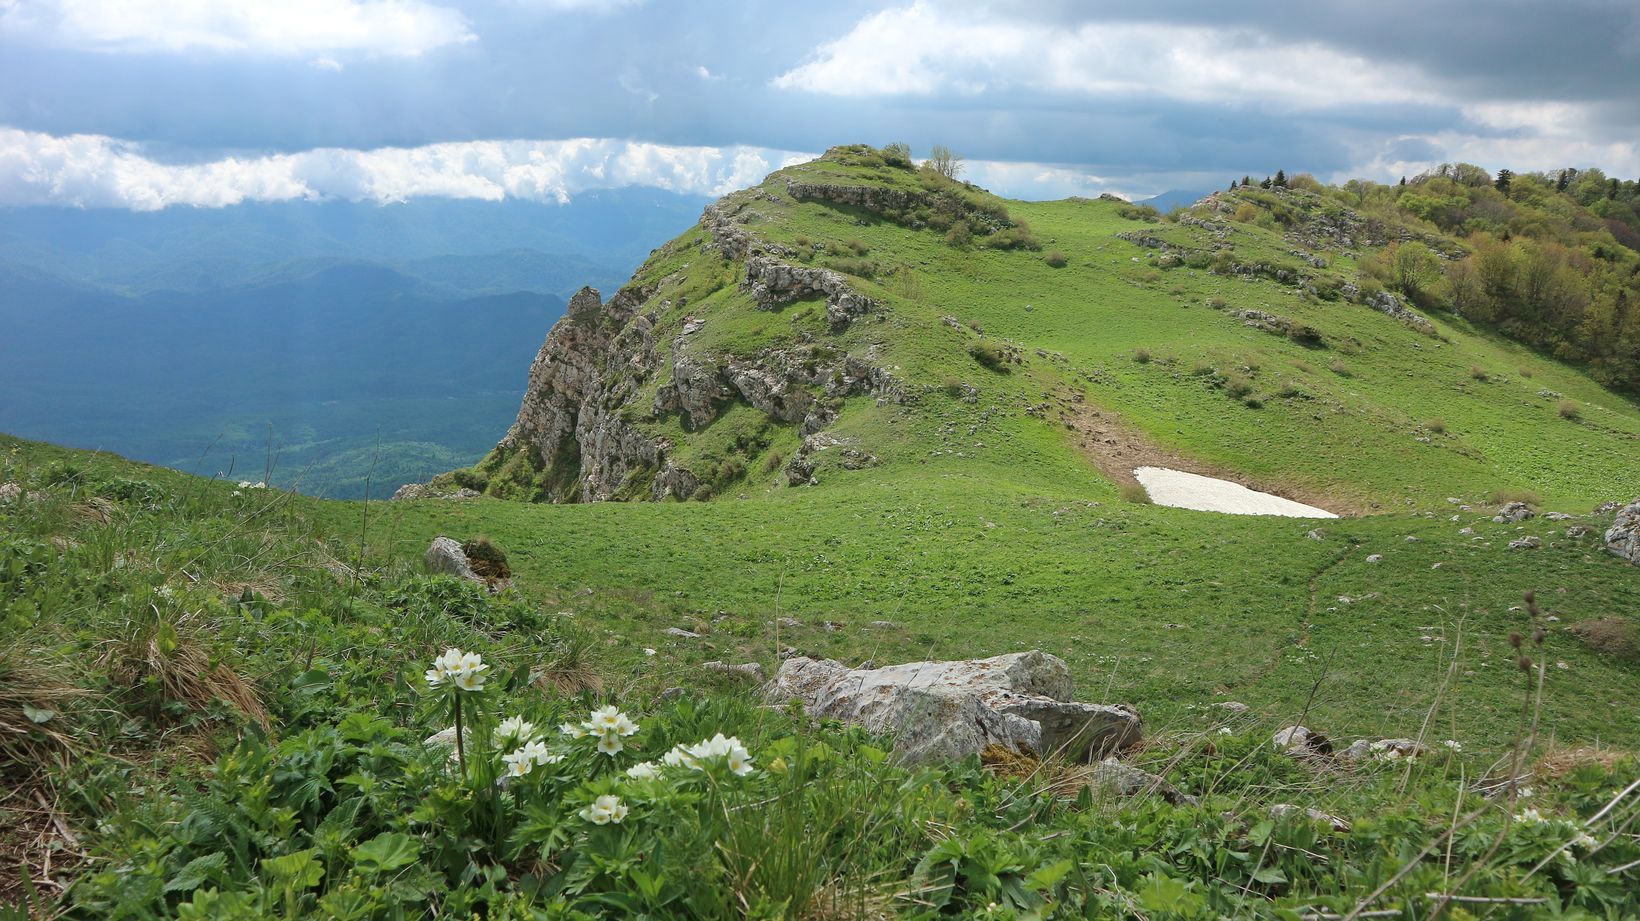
x=571, y=668
x=1559, y=761
x=161, y=659
x=35, y=690
x=1609, y=636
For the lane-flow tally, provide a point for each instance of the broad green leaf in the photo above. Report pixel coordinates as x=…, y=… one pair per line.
x=298, y=869
x=386, y=852
x=37, y=714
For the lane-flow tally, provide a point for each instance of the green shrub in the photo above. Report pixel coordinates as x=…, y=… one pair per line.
x=990, y=355
x=1142, y=356
x=1568, y=409
x=1056, y=259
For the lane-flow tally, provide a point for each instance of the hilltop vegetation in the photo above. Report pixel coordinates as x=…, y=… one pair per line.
x=857, y=318
x=213, y=701
x=1548, y=259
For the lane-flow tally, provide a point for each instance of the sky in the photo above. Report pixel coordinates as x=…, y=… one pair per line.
x=148, y=104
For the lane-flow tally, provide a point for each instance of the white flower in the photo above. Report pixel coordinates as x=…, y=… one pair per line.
x=243, y=484
x=259, y=485
x=1453, y=744
x=717, y=747
x=518, y=763
x=537, y=752
x=604, y=810
x=515, y=729
x=1529, y=816
x=603, y=718
x=1585, y=840
x=238, y=493
x=610, y=745
x=643, y=770
x=463, y=669
x=1225, y=731
x=571, y=730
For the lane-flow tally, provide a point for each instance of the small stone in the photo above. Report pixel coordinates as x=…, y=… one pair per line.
x=681, y=633
x=789, y=622
x=749, y=670
x=1525, y=543
x=1375, y=558
x=1283, y=810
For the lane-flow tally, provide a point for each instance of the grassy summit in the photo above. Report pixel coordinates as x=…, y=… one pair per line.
x=1061, y=342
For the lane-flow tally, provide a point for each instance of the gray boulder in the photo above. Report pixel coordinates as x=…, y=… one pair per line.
x=9, y=493
x=1514, y=512
x=950, y=710
x=1623, y=537
x=446, y=557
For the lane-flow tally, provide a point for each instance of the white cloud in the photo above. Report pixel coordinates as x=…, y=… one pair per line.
x=285, y=27
x=922, y=50
x=93, y=171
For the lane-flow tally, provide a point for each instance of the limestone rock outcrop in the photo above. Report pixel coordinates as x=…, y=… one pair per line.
x=949, y=710
x=1623, y=537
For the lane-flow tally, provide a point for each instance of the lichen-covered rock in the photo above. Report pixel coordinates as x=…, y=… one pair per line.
x=445, y=557
x=1283, y=810
x=950, y=710
x=9, y=493
x=1623, y=537
x=1112, y=776
x=412, y=491
x=774, y=284
x=1301, y=740
x=1513, y=513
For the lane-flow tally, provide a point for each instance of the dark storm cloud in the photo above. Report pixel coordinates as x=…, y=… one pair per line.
x=1493, y=80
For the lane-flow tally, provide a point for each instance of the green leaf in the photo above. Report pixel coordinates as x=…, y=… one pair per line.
x=197, y=873
x=1049, y=876
x=298, y=869
x=386, y=852
x=1269, y=876
x=311, y=681
x=37, y=714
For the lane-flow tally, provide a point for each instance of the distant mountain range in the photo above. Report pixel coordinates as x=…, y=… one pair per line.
x=1172, y=198
x=329, y=344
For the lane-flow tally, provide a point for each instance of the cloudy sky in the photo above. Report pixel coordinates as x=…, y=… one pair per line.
x=146, y=104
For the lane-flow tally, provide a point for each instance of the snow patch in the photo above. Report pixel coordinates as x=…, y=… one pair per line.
x=1177, y=489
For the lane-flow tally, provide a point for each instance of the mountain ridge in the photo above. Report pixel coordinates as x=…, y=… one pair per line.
x=853, y=313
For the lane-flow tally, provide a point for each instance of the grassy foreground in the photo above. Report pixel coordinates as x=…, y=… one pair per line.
x=213, y=701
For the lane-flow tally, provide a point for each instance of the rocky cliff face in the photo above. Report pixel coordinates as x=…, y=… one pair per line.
x=611, y=371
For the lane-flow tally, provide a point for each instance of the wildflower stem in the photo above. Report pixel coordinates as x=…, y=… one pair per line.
x=461, y=749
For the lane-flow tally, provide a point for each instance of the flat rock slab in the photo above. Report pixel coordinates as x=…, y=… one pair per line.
x=951, y=710
x=1177, y=489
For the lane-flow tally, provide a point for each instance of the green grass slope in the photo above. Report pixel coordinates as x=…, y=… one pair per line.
x=213, y=701
x=1350, y=408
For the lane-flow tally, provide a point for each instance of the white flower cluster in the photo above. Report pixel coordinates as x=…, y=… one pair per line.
x=605, y=810
x=464, y=670
x=1453, y=744
x=609, y=724
x=522, y=760
x=531, y=751
x=729, y=750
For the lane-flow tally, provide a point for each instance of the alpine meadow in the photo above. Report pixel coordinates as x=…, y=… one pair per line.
x=909, y=536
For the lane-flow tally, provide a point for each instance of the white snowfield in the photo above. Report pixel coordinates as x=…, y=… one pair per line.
x=1178, y=489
